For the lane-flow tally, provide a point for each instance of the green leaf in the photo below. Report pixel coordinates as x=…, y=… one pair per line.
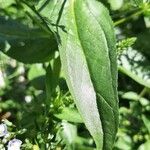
x=36, y=76
x=35, y=71
x=88, y=55
x=146, y=121
x=124, y=142
x=135, y=97
x=25, y=44
x=69, y=134
x=115, y=4
x=49, y=82
x=52, y=77
x=145, y=146
x=134, y=76
x=70, y=115
x=6, y=3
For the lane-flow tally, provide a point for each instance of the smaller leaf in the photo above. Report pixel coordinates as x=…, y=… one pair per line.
x=25, y=44
x=52, y=77
x=115, y=4
x=36, y=76
x=6, y=3
x=35, y=70
x=56, y=71
x=135, y=97
x=146, y=121
x=130, y=96
x=70, y=115
x=145, y=146
x=134, y=76
x=69, y=132
x=124, y=142
x=49, y=82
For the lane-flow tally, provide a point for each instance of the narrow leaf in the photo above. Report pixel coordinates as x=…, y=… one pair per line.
x=146, y=121
x=52, y=77
x=49, y=82
x=70, y=115
x=88, y=55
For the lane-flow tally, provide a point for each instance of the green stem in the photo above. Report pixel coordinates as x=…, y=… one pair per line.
x=43, y=25
x=37, y=22
x=143, y=92
x=138, y=13
x=143, y=8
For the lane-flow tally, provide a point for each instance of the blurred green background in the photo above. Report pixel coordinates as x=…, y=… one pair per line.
x=33, y=92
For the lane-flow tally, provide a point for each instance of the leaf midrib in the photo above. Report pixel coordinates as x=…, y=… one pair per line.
x=103, y=134
x=105, y=40
x=86, y=58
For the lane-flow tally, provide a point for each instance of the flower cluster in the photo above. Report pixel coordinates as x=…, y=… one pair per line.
x=13, y=144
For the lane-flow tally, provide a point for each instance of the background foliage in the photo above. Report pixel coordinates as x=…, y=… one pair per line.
x=34, y=95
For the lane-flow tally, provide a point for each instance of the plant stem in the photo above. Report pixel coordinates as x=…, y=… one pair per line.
x=44, y=25
x=138, y=13
x=143, y=8
x=143, y=92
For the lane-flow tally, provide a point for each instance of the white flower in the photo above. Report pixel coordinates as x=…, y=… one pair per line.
x=3, y=130
x=2, y=80
x=14, y=144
